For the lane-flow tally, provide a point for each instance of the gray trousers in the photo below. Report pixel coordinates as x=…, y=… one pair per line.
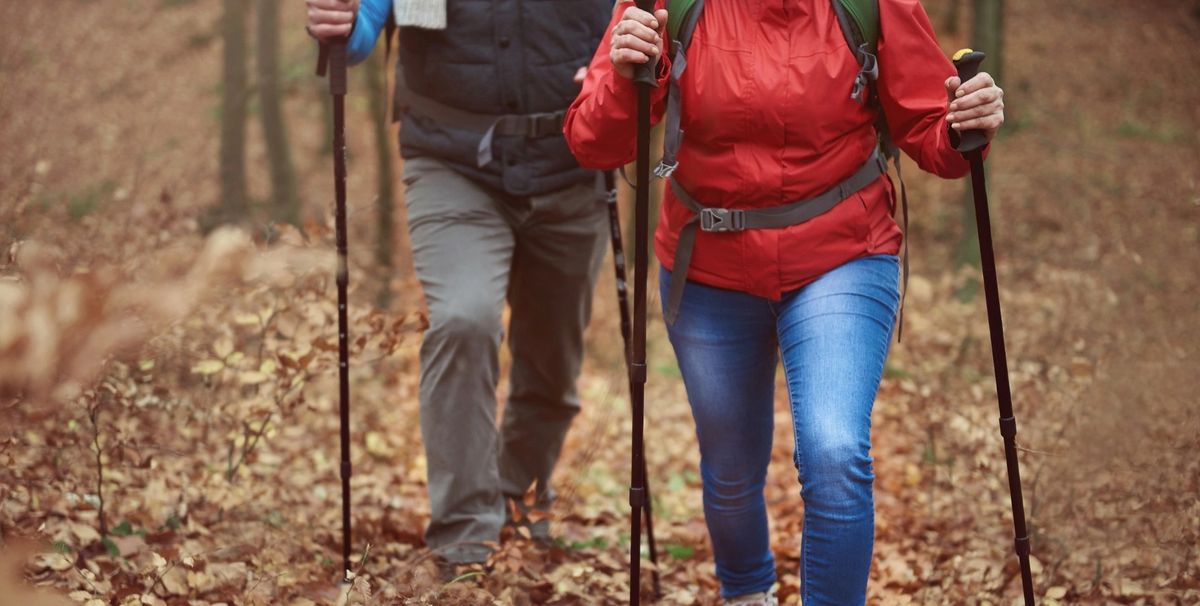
x=473, y=248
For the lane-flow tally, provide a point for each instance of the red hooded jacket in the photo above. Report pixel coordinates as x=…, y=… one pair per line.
x=768, y=119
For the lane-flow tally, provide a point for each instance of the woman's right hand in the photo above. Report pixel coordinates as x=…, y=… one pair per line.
x=636, y=39
x=331, y=18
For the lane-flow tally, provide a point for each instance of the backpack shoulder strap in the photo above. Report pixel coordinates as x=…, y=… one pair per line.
x=860, y=25
x=863, y=18
x=682, y=16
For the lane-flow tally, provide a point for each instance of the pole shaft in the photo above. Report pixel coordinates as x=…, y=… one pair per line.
x=637, y=365
x=1008, y=423
x=336, y=56
x=614, y=222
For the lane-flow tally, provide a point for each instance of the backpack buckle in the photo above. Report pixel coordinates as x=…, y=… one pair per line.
x=664, y=170
x=868, y=73
x=542, y=125
x=722, y=219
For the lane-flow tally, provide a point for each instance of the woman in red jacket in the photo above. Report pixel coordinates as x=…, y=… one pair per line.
x=814, y=282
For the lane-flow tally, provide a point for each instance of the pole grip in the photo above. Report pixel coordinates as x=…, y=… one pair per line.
x=337, y=66
x=644, y=73
x=322, y=59
x=967, y=62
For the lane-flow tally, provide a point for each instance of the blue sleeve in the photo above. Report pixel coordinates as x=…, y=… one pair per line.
x=372, y=14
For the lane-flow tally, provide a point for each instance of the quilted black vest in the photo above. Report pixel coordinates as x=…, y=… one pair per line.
x=502, y=57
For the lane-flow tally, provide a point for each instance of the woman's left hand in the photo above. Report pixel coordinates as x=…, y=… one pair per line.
x=976, y=105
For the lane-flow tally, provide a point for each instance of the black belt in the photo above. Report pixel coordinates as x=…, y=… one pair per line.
x=732, y=220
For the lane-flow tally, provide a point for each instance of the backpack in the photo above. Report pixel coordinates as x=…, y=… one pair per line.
x=859, y=21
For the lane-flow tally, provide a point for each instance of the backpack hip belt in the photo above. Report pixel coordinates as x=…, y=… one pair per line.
x=531, y=126
x=718, y=220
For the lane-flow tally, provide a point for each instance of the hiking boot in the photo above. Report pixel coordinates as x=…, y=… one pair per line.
x=449, y=572
x=762, y=598
x=535, y=521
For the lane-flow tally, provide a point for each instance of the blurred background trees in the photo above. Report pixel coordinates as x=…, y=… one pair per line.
x=234, y=92
x=284, y=206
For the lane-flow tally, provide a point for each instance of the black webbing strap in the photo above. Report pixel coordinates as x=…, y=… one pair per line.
x=731, y=220
x=893, y=152
x=532, y=126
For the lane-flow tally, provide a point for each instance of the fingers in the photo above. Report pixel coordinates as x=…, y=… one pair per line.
x=636, y=39
x=625, y=56
x=981, y=81
x=637, y=24
x=977, y=104
x=989, y=123
x=324, y=31
x=581, y=75
x=318, y=16
x=331, y=18
x=978, y=98
x=979, y=111
x=660, y=15
x=631, y=42
x=334, y=5
x=637, y=15
x=952, y=84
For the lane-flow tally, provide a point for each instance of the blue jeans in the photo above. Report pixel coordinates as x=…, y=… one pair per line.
x=833, y=335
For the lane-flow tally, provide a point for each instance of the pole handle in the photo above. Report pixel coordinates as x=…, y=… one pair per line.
x=644, y=74
x=967, y=62
x=337, y=66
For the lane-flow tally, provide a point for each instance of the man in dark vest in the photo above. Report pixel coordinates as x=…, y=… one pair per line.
x=497, y=209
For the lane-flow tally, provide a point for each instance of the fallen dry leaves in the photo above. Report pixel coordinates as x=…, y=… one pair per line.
x=182, y=445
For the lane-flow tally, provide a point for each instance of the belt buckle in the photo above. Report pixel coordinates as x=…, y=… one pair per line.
x=721, y=220
x=543, y=125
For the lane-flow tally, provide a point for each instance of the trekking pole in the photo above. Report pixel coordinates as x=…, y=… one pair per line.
x=614, y=223
x=332, y=58
x=971, y=145
x=644, y=77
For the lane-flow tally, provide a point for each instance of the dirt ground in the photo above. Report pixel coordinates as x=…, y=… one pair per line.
x=219, y=485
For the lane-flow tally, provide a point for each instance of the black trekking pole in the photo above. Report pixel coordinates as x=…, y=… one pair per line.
x=971, y=145
x=332, y=59
x=644, y=77
x=614, y=223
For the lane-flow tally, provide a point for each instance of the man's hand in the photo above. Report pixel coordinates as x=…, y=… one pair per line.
x=636, y=39
x=331, y=18
x=976, y=105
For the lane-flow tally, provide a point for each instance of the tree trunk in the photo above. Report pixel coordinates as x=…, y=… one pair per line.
x=385, y=203
x=232, y=206
x=986, y=35
x=952, y=13
x=285, y=203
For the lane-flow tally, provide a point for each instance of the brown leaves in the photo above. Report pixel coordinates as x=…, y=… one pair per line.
x=59, y=329
x=13, y=591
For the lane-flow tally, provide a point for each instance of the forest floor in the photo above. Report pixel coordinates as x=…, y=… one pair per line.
x=201, y=466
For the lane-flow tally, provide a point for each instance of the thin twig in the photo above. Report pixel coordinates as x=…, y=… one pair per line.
x=94, y=417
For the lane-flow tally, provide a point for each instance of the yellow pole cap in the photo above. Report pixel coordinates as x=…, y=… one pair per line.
x=962, y=53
